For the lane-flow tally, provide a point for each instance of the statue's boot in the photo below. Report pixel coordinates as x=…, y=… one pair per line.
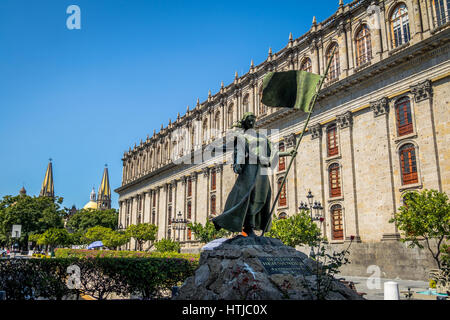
x=249, y=231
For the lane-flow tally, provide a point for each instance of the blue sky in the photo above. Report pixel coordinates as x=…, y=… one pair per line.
x=83, y=97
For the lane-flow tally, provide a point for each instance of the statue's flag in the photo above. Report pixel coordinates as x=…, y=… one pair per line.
x=290, y=89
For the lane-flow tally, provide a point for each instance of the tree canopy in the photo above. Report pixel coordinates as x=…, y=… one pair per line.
x=425, y=218
x=206, y=233
x=84, y=219
x=295, y=230
x=34, y=214
x=142, y=232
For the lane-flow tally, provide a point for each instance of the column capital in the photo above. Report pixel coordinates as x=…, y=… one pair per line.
x=316, y=131
x=422, y=91
x=205, y=171
x=380, y=107
x=345, y=120
x=290, y=139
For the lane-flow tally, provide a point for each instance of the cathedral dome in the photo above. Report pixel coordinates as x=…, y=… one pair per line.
x=91, y=205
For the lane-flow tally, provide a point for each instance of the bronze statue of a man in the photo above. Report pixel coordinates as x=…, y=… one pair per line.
x=248, y=205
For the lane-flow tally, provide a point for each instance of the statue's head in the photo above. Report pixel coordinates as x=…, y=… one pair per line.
x=248, y=120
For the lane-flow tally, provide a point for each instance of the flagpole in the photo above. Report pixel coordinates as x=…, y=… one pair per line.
x=322, y=80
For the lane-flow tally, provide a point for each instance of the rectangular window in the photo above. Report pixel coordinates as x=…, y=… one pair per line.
x=335, y=182
x=332, y=141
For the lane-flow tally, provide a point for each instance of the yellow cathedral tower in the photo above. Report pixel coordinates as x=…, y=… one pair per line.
x=104, y=191
x=47, y=189
x=102, y=200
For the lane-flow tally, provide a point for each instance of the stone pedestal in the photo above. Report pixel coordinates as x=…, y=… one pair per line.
x=258, y=268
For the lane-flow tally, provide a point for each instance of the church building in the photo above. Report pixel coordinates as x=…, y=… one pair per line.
x=381, y=128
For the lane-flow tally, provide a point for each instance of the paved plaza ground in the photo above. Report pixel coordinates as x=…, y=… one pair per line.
x=375, y=289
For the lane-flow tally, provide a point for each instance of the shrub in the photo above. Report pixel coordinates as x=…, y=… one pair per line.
x=99, y=277
x=84, y=253
x=167, y=245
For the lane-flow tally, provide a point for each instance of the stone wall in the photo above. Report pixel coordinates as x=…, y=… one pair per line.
x=395, y=260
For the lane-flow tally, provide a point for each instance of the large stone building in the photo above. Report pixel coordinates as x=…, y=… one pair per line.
x=380, y=129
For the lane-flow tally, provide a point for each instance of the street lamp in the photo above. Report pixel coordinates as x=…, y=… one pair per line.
x=313, y=207
x=179, y=224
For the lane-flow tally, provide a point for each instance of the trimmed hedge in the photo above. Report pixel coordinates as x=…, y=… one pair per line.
x=99, y=277
x=84, y=253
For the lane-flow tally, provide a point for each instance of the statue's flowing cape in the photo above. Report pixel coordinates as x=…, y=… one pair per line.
x=251, y=194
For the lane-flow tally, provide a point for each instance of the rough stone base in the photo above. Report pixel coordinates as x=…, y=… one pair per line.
x=232, y=271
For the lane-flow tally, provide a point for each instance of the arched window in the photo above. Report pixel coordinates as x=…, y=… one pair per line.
x=400, y=26
x=282, y=200
x=189, y=210
x=306, y=65
x=245, y=104
x=404, y=117
x=332, y=140
x=334, y=71
x=153, y=217
x=363, y=46
x=213, y=179
x=213, y=204
x=335, y=181
x=282, y=215
x=281, y=160
x=441, y=11
x=337, y=227
x=408, y=164
x=230, y=116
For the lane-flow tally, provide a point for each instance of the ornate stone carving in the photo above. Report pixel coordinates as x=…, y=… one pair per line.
x=219, y=167
x=380, y=106
x=422, y=91
x=345, y=120
x=205, y=171
x=316, y=131
x=290, y=140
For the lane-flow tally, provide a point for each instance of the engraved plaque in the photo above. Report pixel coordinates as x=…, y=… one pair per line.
x=292, y=265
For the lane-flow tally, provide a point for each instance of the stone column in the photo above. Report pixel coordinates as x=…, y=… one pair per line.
x=386, y=192
x=316, y=133
x=348, y=183
x=343, y=49
x=194, y=196
x=417, y=20
x=424, y=116
x=315, y=57
x=351, y=55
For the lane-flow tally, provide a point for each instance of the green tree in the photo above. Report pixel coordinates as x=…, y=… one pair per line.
x=84, y=219
x=206, y=233
x=167, y=245
x=425, y=217
x=97, y=233
x=142, y=232
x=35, y=214
x=54, y=237
x=115, y=239
x=295, y=230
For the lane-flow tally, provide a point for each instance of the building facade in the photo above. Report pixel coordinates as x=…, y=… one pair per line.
x=380, y=128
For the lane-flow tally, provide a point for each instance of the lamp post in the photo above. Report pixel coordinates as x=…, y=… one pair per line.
x=179, y=224
x=313, y=207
